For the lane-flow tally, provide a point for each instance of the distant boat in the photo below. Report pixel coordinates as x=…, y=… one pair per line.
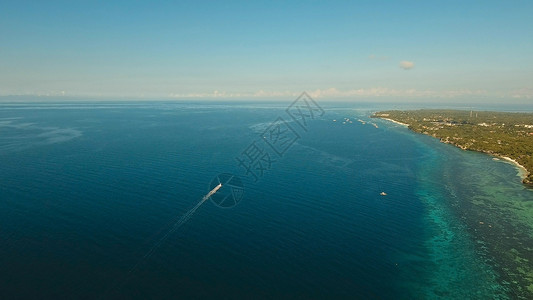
x=383, y=194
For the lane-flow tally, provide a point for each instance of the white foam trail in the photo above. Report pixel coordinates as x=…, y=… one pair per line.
x=212, y=192
x=175, y=227
x=181, y=221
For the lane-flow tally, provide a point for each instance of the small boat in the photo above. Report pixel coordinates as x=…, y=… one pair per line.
x=383, y=194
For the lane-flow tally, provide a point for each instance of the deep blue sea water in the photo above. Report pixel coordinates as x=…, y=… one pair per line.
x=88, y=189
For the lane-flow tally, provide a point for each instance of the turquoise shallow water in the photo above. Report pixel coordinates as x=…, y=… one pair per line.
x=86, y=190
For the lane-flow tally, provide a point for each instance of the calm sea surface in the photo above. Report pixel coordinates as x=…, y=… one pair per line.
x=89, y=191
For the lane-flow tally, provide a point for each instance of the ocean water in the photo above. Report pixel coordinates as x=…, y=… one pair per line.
x=90, y=194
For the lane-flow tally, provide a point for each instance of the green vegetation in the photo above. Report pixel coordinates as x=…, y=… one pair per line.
x=496, y=133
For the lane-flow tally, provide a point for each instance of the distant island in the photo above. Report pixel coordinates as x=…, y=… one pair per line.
x=502, y=134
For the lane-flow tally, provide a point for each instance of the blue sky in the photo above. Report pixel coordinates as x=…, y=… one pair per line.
x=241, y=49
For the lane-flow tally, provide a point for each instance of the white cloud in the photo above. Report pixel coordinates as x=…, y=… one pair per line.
x=377, y=57
x=225, y=94
x=406, y=65
x=214, y=94
x=524, y=93
x=336, y=93
x=387, y=92
x=264, y=94
x=329, y=93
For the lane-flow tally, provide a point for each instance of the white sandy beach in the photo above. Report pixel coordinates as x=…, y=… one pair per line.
x=521, y=169
x=400, y=123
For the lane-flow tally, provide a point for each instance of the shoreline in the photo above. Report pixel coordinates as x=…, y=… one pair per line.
x=522, y=170
x=393, y=121
x=511, y=216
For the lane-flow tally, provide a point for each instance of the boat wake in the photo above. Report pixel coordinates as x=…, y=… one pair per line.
x=174, y=227
x=179, y=223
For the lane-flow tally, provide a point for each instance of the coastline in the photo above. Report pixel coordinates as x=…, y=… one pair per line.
x=521, y=169
x=494, y=215
x=523, y=172
x=393, y=121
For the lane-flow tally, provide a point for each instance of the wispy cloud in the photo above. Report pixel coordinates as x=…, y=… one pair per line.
x=377, y=57
x=407, y=65
x=228, y=95
x=325, y=93
x=336, y=93
x=523, y=93
x=387, y=92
